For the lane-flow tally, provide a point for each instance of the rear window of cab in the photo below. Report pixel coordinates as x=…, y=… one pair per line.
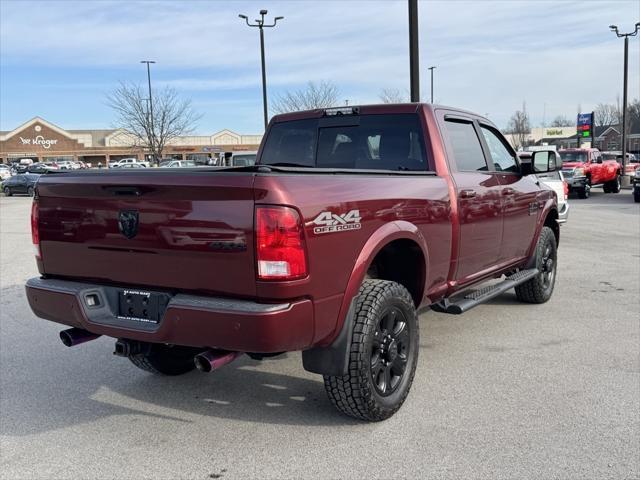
x=371, y=142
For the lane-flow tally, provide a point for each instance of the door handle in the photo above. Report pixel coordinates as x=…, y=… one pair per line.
x=467, y=193
x=508, y=191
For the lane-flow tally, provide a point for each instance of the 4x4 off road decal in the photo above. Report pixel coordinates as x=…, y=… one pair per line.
x=328, y=222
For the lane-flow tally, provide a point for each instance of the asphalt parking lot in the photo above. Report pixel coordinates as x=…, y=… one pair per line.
x=505, y=391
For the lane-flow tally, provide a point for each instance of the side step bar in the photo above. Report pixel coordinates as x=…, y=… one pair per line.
x=469, y=299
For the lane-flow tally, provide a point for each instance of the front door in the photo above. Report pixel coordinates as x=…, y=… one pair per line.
x=519, y=197
x=479, y=202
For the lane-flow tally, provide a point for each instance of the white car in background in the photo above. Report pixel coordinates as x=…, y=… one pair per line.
x=555, y=181
x=126, y=161
x=243, y=158
x=5, y=171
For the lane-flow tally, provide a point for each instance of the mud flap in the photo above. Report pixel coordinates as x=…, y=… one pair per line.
x=334, y=359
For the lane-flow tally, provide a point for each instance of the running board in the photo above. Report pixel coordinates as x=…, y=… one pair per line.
x=471, y=298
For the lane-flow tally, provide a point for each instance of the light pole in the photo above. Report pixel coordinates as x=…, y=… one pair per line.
x=414, y=56
x=432, y=68
x=153, y=132
x=261, y=25
x=626, y=36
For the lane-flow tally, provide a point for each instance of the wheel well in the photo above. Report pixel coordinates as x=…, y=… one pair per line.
x=551, y=221
x=401, y=261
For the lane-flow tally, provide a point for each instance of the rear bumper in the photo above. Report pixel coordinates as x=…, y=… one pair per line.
x=189, y=320
x=563, y=214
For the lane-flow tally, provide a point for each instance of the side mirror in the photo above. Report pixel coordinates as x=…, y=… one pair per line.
x=543, y=161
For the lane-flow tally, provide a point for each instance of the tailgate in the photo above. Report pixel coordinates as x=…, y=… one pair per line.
x=190, y=231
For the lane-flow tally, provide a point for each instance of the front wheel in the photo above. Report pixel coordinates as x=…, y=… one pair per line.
x=7, y=191
x=384, y=354
x=636, y=196
x=585, y=192
x=540, y=288
x=30, y=191
x=166, y=359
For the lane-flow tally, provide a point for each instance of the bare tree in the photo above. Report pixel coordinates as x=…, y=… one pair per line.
x=314, y=95
x=633, y=116
x=519, y=127
x=562, y=121
x=393, y=95
x=172, y=116
x=607, y=114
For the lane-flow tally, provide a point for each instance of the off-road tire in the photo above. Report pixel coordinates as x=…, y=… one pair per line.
x=380, y=303
x=7, y=191
x=614, y=185
x=166, y=360
x=540, y=288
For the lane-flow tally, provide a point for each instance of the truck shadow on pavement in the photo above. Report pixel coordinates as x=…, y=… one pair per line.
x=46, y=386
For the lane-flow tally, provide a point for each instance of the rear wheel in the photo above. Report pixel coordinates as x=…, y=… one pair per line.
x=615, y=185
x=384, y=354
x=166, y=359
x=7, y=191
x=636, y=196
x=540, y=287
x=30, y=191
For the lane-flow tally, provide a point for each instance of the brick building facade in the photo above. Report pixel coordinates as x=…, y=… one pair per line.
x=43, y=141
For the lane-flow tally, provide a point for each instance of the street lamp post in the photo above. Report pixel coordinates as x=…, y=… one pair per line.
x=414, y=55
x=432, y=68
x=153, y=132
x=626, y=36
x=261, y=25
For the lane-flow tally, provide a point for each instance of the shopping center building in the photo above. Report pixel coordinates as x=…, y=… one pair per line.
x=43, y=141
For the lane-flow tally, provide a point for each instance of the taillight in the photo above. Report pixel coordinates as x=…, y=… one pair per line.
x=35, y=232
x=565, y=186
x=280, y=244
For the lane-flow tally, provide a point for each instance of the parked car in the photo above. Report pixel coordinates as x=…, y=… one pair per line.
x=39, y=168
x=21, y=183
x=636, y=185
x=127, y=161
x=241, y=159
x=554, y=180
x=584, y=168
x=178, y=164
x=349, y=223
x=5, y=171
x=131, y=165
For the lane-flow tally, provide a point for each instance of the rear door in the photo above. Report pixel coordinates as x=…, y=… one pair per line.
x=519, y=196
x=479, y=202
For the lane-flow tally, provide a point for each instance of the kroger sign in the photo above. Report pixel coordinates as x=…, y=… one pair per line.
x=39, y=140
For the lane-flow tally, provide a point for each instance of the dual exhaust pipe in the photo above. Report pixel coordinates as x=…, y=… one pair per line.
x=207, y=361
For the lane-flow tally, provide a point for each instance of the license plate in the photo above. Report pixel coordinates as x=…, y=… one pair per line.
x=142, y=306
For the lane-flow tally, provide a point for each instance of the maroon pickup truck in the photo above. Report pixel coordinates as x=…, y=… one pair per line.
x=352, y=221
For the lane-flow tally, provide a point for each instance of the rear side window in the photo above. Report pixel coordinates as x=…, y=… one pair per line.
x=291, y=143
x=467, y=151
x=380, y=142
x=503, y=159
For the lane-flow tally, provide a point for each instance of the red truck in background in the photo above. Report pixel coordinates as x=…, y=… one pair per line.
x=584, y=168
x=352, y=221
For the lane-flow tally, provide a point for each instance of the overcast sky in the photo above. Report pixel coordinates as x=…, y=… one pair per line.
x=58, y=59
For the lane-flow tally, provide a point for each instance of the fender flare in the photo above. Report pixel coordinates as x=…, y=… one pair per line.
x=549, y=206
x=333, y=359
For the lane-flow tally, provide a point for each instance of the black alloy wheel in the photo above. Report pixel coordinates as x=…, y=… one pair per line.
x=389, y=351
